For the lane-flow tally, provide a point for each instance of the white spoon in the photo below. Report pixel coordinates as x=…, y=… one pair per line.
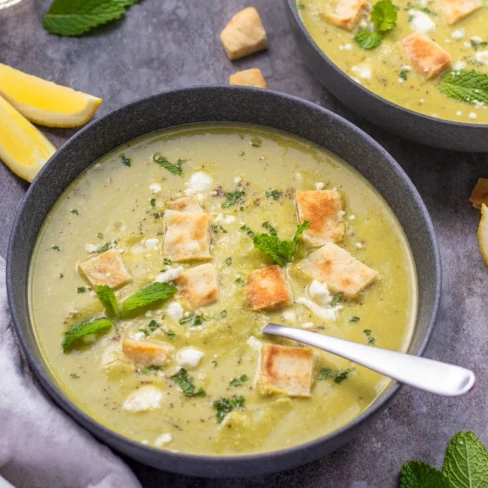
x=425, y=374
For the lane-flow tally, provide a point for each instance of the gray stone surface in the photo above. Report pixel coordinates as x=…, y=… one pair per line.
x=173, y=43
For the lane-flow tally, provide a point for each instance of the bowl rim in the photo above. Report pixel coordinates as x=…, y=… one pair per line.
x=100, y=430
x=366, y=91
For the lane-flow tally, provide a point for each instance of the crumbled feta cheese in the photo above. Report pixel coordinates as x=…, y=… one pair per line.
x=91, y=248
x=163, y=439
x=320, y=185
x=458, y=65
x=421, y=22
x=175, y=311
x=322, y=313
x=319, y=292
x=348, y=47
x=307, y=325
x=458, y=34
x=363, y=24
x=482, y=57
x=199, y=182
x=467, y=44
x=406, y=67
x=352, y=217
x=253, y=342
x=145, y=398
x=170, y=274
x=476, y=39
x=359, y=245
x=155, y=187
x=289, y=315
x=459, y=113
x=189, y=357
x=152, y=244
x=237, y=180
x=138, y=336
x=146, y=246
x=472, y=116
x=229, y=219
x=363, y=71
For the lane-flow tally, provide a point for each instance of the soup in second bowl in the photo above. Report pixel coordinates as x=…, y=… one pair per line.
x=158, y=267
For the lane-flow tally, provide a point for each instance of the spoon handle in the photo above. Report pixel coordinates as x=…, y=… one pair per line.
x=425, y=374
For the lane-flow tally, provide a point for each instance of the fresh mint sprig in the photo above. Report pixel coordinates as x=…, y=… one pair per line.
x=467, y=86
x=384, y=18
x=80, y=331
x=146, y=297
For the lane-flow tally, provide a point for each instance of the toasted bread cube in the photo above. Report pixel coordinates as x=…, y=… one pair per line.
x=145, y=353
x=479, y=194
x=340, y=271
x=199, y=286
x=347, y=13
x=456, y=10
x=425, y=55
x=188, y=204
x=323, y=209
x=267, y=289
x=187, y=235
x=107, y=268
x=244, y=34
x=248, y=77
x=286, y=370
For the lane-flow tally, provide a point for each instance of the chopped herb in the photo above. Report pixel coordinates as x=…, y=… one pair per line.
x=198, y=320
x=256, y=141
x=226, y=405
x=427, y=11
x=228, y=261
x=107, y=246
x=368, y=333
x=337, y=298
x=367, y=40
x=467, y=86
x=84, y=329
x=185, y=382
x=239, y=281
x=149, y=295
x=153, y=325
x=281, y=252
x=172, y=168
x=100, y=235
x=247, y=230
x=75, y=212
x=75, y=376
x=239, y=381
x=271, y=229
x=167, y=261
x=214, y=363
x=223, y=314
x=217, y=228
x=151, y=369
x=338, y=376
x=157, y=215
x=56, y=248
x=474, y=44
x=109, y=301
x=126, y=161
x=144, y=331
x=186, y=320
x=404, y=75
x=81, y=289
x=384, y=17
x=275, y=194
x=170, y=334
x=300, y=6
x=232, y=198
x=354, y=319
x=153, y=202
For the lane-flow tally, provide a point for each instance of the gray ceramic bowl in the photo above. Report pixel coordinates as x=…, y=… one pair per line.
x=389, y=116
x=235, y=104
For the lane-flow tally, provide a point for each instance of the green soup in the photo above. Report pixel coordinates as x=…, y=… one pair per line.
x=387, y=71
x=119, y=203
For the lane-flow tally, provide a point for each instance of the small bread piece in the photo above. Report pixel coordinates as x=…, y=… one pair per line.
x=199, y=286
x=426, y=56
x=323, y=209
x=267, y=289
x=456, y=10
x=248, y=77
x=479, y=194
x=187, y=235
x=286, y=370
x=340, y=271
x=145, y=353
x=188, y=204
x=244, y=34
x=347, y=13
x=107, y=268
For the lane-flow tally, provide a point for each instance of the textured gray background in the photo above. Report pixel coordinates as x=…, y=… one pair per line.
x=165, y=44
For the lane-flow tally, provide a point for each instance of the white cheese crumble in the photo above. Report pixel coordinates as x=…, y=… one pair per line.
x=151, y=244
x=319, y=292
x=307, y=325
x=322, y=313
x=253, y=342
x=421, y=22
x=170, y=274
x=237, y=180
x=138, y=336
x=363, y=71
x=458, y=65
x=155, y=187
x=352, y=217
x=319, y=185
x=91, y=248
x=145, y=398
x=472, y=116
x=163, y=439
x=175, y=311
x=199, y=182
x=459, y=113
x=359, y=245
x=289, y=315
x=482, y=57
x=458, y=34
x=476, y=39
x=189, y=357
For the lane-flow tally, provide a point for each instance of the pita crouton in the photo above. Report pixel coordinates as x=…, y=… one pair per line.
x=145, y=353
x=248, y=77
x=456, y=10
x=479, y=194
x=187, y=235
x=107, y=268
x=425, y=55
x=324, y=211
x=267, y=289
x=199, y=286
x=286, y=370
x=188, y=204
x=340, y=271
x=347, y=14
x=244, y=34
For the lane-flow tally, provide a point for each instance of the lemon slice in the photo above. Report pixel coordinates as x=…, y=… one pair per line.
x=45, y=103
x=22, y=147
x=483, y=232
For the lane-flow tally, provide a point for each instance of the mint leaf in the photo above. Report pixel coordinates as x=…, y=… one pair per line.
x=420, y=475
x=109, y=301
x=466, y=462
x=147, y=296
x=384, y=16
x=75, y=17
x=232, y=198
x=239, y=381
x=185, y=382
x=465, y=85
x=368, y=40
x=84, y=329
x=172, y=168
x=226, y=405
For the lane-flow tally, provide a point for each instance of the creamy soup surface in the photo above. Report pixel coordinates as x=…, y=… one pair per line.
x=388, y=72
x=207, y=392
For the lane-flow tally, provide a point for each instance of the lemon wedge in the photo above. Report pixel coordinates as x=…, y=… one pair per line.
x=483, y=232
x=45, y=103
x=22, y=147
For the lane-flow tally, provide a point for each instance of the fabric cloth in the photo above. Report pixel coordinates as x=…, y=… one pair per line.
x=41, y=447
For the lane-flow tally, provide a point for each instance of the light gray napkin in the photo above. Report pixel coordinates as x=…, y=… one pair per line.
x=40, y=447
